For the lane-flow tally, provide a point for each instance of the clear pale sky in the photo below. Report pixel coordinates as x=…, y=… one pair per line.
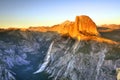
x=25, y=13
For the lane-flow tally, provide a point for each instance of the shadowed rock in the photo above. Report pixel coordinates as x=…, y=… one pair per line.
x=23, y=51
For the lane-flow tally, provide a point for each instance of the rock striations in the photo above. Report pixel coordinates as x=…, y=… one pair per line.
x=82, y=29
x=81, y=53
x=83, y=25
x=86, y=25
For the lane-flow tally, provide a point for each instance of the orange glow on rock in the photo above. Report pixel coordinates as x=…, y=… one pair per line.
x=82, y=29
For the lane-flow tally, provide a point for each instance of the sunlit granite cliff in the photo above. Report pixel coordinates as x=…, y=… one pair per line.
x=83, y=25
x=82, y=29
x=76, y=50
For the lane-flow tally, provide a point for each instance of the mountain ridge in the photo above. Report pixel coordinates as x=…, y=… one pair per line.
x=62, y=52
x=82, y=29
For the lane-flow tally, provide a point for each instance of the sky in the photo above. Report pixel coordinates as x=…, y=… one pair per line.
x=25, y=13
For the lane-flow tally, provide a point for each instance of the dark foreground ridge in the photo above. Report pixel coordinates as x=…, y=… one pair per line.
x=68, y=51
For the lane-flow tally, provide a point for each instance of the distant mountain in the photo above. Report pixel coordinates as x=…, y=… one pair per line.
x=111, y=26
x=68, y=51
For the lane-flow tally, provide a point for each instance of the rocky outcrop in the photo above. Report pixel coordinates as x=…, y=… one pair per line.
x=82, y=29
x=83, y=26
x=39, y=53
x=118, y=73
x=74, y=60
x=21, y=52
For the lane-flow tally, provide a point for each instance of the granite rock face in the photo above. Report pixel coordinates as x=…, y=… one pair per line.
x=21, y=52
x=85, y=25
x=83, y=60
x=82, y=26
x=63, y=52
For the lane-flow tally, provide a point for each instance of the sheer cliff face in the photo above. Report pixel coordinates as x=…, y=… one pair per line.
x=21, y=52
x=86, y=25
x=79, y=29
x=68, y=51
x=83, y=60
x=83, y=27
